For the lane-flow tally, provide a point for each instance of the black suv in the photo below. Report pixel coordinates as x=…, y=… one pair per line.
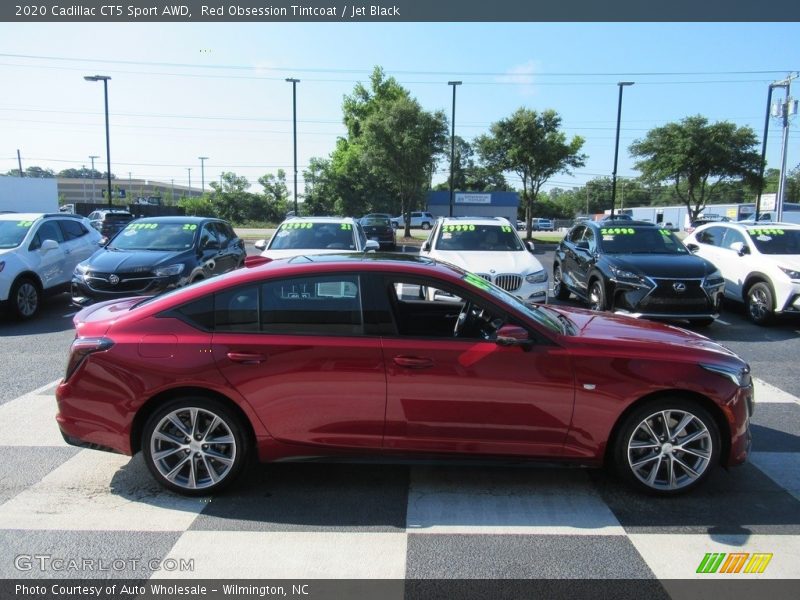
x=109, y=221
x=155, y=254
x=639, y=268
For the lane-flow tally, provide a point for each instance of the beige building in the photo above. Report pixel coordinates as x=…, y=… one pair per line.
x=126, y=191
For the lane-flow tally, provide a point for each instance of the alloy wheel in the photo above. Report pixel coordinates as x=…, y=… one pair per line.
x=27, y=299
x=670, y=450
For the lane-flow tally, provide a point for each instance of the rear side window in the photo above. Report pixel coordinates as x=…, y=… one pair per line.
x=72, y=230
x=237, y=310
x=324, y=305
x=199, y=313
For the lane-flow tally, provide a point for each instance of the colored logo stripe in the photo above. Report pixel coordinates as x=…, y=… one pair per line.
x=758, y=563
x=711, y=562
x=714, y=562
x=734, y=562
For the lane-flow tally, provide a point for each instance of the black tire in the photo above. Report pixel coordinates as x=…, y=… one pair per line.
x=702, y=322
x=634, y=460
x=597, y=295
x=560, y=290
x=25, y=298
x=225, y=458
x=426, y=225
x=760, y=303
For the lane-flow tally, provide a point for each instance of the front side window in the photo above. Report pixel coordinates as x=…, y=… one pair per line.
x=482, y=238
x=49, y=230
x=732, y=236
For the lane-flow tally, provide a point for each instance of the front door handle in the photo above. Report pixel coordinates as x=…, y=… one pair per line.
x=413, y=362
x=246, y=358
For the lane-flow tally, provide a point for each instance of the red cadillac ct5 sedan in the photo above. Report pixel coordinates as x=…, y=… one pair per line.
x=341, y=356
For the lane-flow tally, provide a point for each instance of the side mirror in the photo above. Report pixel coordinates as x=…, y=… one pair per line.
x=740, y=248
x=426, y=247
x=49, y=245
x=371, y=246
x=513, y=335
x=530, y=246
x=103, y=242
x=692, y=248
x=260, y=245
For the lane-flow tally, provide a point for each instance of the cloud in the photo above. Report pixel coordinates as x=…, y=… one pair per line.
x=522, y=76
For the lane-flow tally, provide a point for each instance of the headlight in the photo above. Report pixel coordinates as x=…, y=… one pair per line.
x=625, y=276
x=537, y=277
x=714, y=279
x=170, y=270
x=81, y=268
x=739, y=376
x=791, y=273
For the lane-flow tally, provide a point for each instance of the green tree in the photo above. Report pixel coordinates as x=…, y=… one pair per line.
x=697, y=157
x=36, y=172
x=532, y=146
x=401, y=142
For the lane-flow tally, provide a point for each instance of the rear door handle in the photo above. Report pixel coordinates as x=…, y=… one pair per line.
x=413, y=362
x=246, y=358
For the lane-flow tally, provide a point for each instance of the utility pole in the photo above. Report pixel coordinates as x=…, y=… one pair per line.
x=452, y=143
x=189, y=169
x=203, y=160
x=93, y=157
x=786, y=108
x=294, y=83
x=621, y=85
x=19, y=162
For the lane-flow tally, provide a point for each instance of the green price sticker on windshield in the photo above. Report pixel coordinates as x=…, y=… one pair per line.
x=298, y=226
x=138, y=226
x=457, y=228
x=506, y=229
x=347, y=226
x=24, y=223
x=477, y=281
x=189, y=227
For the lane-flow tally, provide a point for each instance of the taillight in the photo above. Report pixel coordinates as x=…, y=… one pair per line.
x=83, y=347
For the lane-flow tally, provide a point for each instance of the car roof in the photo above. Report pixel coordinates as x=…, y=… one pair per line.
x=477, y=220
x=12, y=216
x=178, y=219
x=748, y=225
x=321, y=219
x=624, y=222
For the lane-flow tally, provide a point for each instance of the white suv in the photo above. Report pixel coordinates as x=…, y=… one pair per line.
x=491, y=248
x=316, y=235
x=759, y=261
x=38, y=253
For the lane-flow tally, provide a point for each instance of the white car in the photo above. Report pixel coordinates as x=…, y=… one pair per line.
x=38, y=253
x=316, y=235
x=759, y=261
x=491, y=248
x=419, y=220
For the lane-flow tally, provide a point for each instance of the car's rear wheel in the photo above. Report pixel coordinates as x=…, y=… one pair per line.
x=194, y=446
x=597, y=295
x=426, y=225
x=560, y=290
x=760, y=303
x=25, y=298
x=667, y=447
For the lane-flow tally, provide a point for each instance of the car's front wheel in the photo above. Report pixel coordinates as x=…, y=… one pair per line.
x=667, y=447
x=25, y=298
x=760, y=303
x=194, y=446
x=560, y=290
x=426, y=225
x=597, y=295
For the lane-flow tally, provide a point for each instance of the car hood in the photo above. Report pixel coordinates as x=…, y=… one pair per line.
x=485, y=262
x=127, y=261
x=788, y=261
x=274, y=254
x=639, y=335
x=679, y=266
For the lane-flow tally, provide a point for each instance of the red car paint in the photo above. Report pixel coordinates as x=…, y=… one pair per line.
x=309, y=395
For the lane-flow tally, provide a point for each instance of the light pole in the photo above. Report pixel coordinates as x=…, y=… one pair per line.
x=189, y=169
x=104, y=79
x=203, y=160
x=294, y=83
x=452, y=143
x=93, y=178
x=621, y=85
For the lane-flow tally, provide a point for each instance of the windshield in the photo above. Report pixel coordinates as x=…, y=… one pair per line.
x=640, y=240
x=13, y=232
x=376, y=222
x=313, y=236
x=541, y=314
x=773, y=240
x=155, y=236
x=481, y=238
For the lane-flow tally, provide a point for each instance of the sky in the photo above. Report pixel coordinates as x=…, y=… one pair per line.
x=185, y=90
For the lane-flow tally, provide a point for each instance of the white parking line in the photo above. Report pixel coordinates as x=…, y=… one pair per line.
x=722, y=322
x=767, y=393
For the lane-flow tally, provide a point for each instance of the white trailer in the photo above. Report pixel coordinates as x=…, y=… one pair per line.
x=28, y=194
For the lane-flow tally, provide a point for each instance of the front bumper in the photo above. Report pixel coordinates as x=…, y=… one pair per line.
x=788, y=298
x=663, y=302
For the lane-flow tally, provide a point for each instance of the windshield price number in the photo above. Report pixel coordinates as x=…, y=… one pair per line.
x=454, y=228
x=189, y=227
x=617, y=231
x=137, y=226
x=298, y=226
